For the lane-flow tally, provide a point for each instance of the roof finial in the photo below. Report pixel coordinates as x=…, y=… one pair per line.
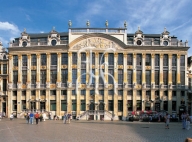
x=69, y=23
x=165, y=29
x=24, y=30
x=106, y=23
x=138, y=28
x=88, y=23
x=53, y=28
x=125, y=24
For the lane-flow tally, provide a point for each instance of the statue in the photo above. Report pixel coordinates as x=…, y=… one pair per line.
x=125, y=24
x=69, y=23
x=88, y=23
x=106, y=23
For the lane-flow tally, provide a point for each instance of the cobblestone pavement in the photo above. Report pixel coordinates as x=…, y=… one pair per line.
x=90, y=131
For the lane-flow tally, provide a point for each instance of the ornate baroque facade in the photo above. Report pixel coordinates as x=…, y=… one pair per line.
x=97, y=72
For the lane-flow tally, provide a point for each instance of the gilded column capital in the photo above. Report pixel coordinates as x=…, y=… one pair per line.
x=143, y=55
x=115, y=54
x=87, y=53
x=19, y=57
x=59, y=54
x=10, y=57
x=106, y=54
x=69, y=53
x=170, y=56
x=125, y=54
x=134, y=55
x=28, y=56
x=152, y=55
x=178, y=56
x=38, y=55
x=161, y=55
x=96, y=54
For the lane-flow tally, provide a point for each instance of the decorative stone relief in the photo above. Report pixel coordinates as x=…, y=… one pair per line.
x=58, y=84
x=69, y=84
x=10, y=85
x=28, y=85
x=47, y=84
x=19, y=85
x=37, y=84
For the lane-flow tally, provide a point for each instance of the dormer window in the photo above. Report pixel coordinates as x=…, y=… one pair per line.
x=165, y=43
x=24, y=44
x=139, y=42
x=53, y=42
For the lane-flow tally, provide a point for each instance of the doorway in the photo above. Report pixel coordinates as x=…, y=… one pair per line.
x=157, y=107
x=33, y=105
x=42, y=106
x=4, y=109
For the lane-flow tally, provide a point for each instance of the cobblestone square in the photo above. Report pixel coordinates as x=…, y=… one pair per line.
x=90, y=131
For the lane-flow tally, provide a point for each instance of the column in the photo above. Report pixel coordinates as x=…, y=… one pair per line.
x=97, y=70
x=38, y=99
x=115, y=98
x=125, y=111
x=134, y=100
x=18, y=102
x=48, y=68
x=153, y=71
x=59, y=67
x=134, y=83
x=38, y=69
x=9, y=109
x=170, y=101
x=143, y=70
x=10, y=69
x=58, y=102
x=178, y=69
x=47, y=100
x=78, y=103
x=170, y=71
x=143, y=98
x=20, y=69
x=69, y=101
x=28, y=93
x=161, y=69
x=106, y=79
x=69, y=67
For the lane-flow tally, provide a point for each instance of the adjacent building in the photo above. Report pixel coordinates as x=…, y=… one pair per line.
x=97, y=73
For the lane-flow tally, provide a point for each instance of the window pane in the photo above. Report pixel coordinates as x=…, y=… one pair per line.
x=156, y=59
x=148, y=77
x=74, y=76
x=165, y=60
x=148, y=60
x=24, y=60
x=174, y=60
x=139, y=59
x=120, y=59
x=74, y=58
x=130, y=76
x=139, y=76
x=64, y=59
x=54, y=59
x=111, y=58
x=182, y=60
x=130, y=59
x=43, y=59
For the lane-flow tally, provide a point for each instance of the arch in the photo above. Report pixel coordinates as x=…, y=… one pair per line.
x=98, y=36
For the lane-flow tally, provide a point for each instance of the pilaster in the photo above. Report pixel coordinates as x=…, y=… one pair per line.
x=125, y=111
x=38, y=99
x=125, y=68
x=178, y=69
x=18, y=102
x=58, y=68
x=143, y=69
x=28, y=93
x=143, y=98
x=58, y=102
x=48, y=68
x=69, y=67
x=170, y=101
x=38, y=67
x=134, y=68
x=153, y=69
x=161, y=69
x=10, y=68
x=69, y=101
x=19, y=69
x=134, y=100
x=47, y=100
x=170, y=70
x=9, y=109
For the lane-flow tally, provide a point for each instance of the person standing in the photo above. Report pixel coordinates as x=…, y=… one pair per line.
x=11, y=116
x=69, y=117
x=31, y=115
x=183, y=117
x=65, y=118
x=167, y=119
x=44, y=116
x=187, y=122
x=37, y=117
x=27, y=118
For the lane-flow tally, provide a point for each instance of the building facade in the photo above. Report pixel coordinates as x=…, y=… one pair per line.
x=97, y=73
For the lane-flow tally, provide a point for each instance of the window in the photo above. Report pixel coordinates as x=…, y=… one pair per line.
x=139, y=105
x=148, y=77
x=101, y=58
x=14, y=102
x=110, y=92
x=33, y=77
x=139, y=59
x=148, y=60
x=23, y=103
x=74, y=58
x=83, y=76
x=63, y=92
x=52, y=92
x=101, y=92
x=130, y=59
x=53, y=76
x=111, y=59
x=15, y=77
x=64, y=75
x=182, y=77
x=43, y=59
x=174, y=60
x=148, y=95
x=130, y=92
x=156, y=59
x=182, y=60
x=120, y=58
x=130, y=105
x=63, y=105
x=165, y=60
x=174, y=105
x=82, y=105
x=120, y=92
x=43, y=76
x=92, y=77
x=110, y=76
x=157, y=95
x=4, y=68
x=110, y=105
x=14, y=93
x=165, y=105
x=93, y=58
x=139, y=77
x=4, y=84
x=74, y=76
x=42, y=92
x=33, y=60
x=139, y=94
x=24, y=77
x=92, y=92
x=120, y=76
x=64, y=60
x=33, y=93
x=183, y=93
x=54, y=59
x=83, y=60
x=130, y=76
x=15, y=60
x=120, y=105
x=24, y=60
x=83, y=92
x=156, y=77
x=165, y=77
x=174, y=94
x=52, y=105
x=73, y=92
x=165, y=94
x=73, y=105
x=174, y=76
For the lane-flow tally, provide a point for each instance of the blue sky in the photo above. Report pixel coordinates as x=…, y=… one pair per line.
x=41, y=15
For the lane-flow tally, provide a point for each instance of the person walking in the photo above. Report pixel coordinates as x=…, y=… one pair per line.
x=69, y=117
x=11, y=116
x=37, y=118
x=183, y=117
x=167, y=119
x=27, y=118
x=187, y=122
x=44, y=116
x=31, y=115
x=65, y=118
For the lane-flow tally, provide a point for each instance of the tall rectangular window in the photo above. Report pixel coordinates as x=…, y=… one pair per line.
x=24, y=60
x=64, y=75
x=64, y=59
x=174, y=60
x=156, y=59
x=157, y=95
x=156, y=77
x=139, y=77
x=4, y=68
x=148, y=95
x=63, y=92
x=120, y=92
x=148, y=77
x=83, y=92
x=110, y=105
x=15, y=77
x=4, y=84
x=130, y=105
x=139, y=105
x=53, y=77
x=83, y=60
x=93, y=58
x=53, y=59
x=120, y=58
x=174, y=105
x=165, y=105
x=83, y=76
x=101, y=58
x=24, y=93
x=120, y=76
x=111, y=59
x=33, y=77
x=182, y=77
x=129, y=59
x=14, y=102
x=101, y=92
x=74, y=76
x=15, y=60
x=92, y=92
x=139, y=59
x=43, y=59
x=110, y=76
x=92, y=77
x=148, y=60
x=165, y=60
x=73, y=105
x=120, y=105
x=23, y=103
x=174, y=76
x=43, y=76
x=74, y=58
x=82, y=105
x=165, y=77
x=52, y=105
x=63, y=105
x=33, y=60
x=52, y=92
x=110, y=92
x=182, y=60
x=130, y=76
x=24, y=76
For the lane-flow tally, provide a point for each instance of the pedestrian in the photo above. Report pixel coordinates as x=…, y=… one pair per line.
x=27, y=118
x=37, y=117
x=187, y=122
x=31, y=115
x=3, y=114
x=11, y=116
x=49, y=115
x=65, y=118
x=44, y=116
x=183, y=117
x=69, y=117
x=150, y=118
x=167, y=120
x=0, y=116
